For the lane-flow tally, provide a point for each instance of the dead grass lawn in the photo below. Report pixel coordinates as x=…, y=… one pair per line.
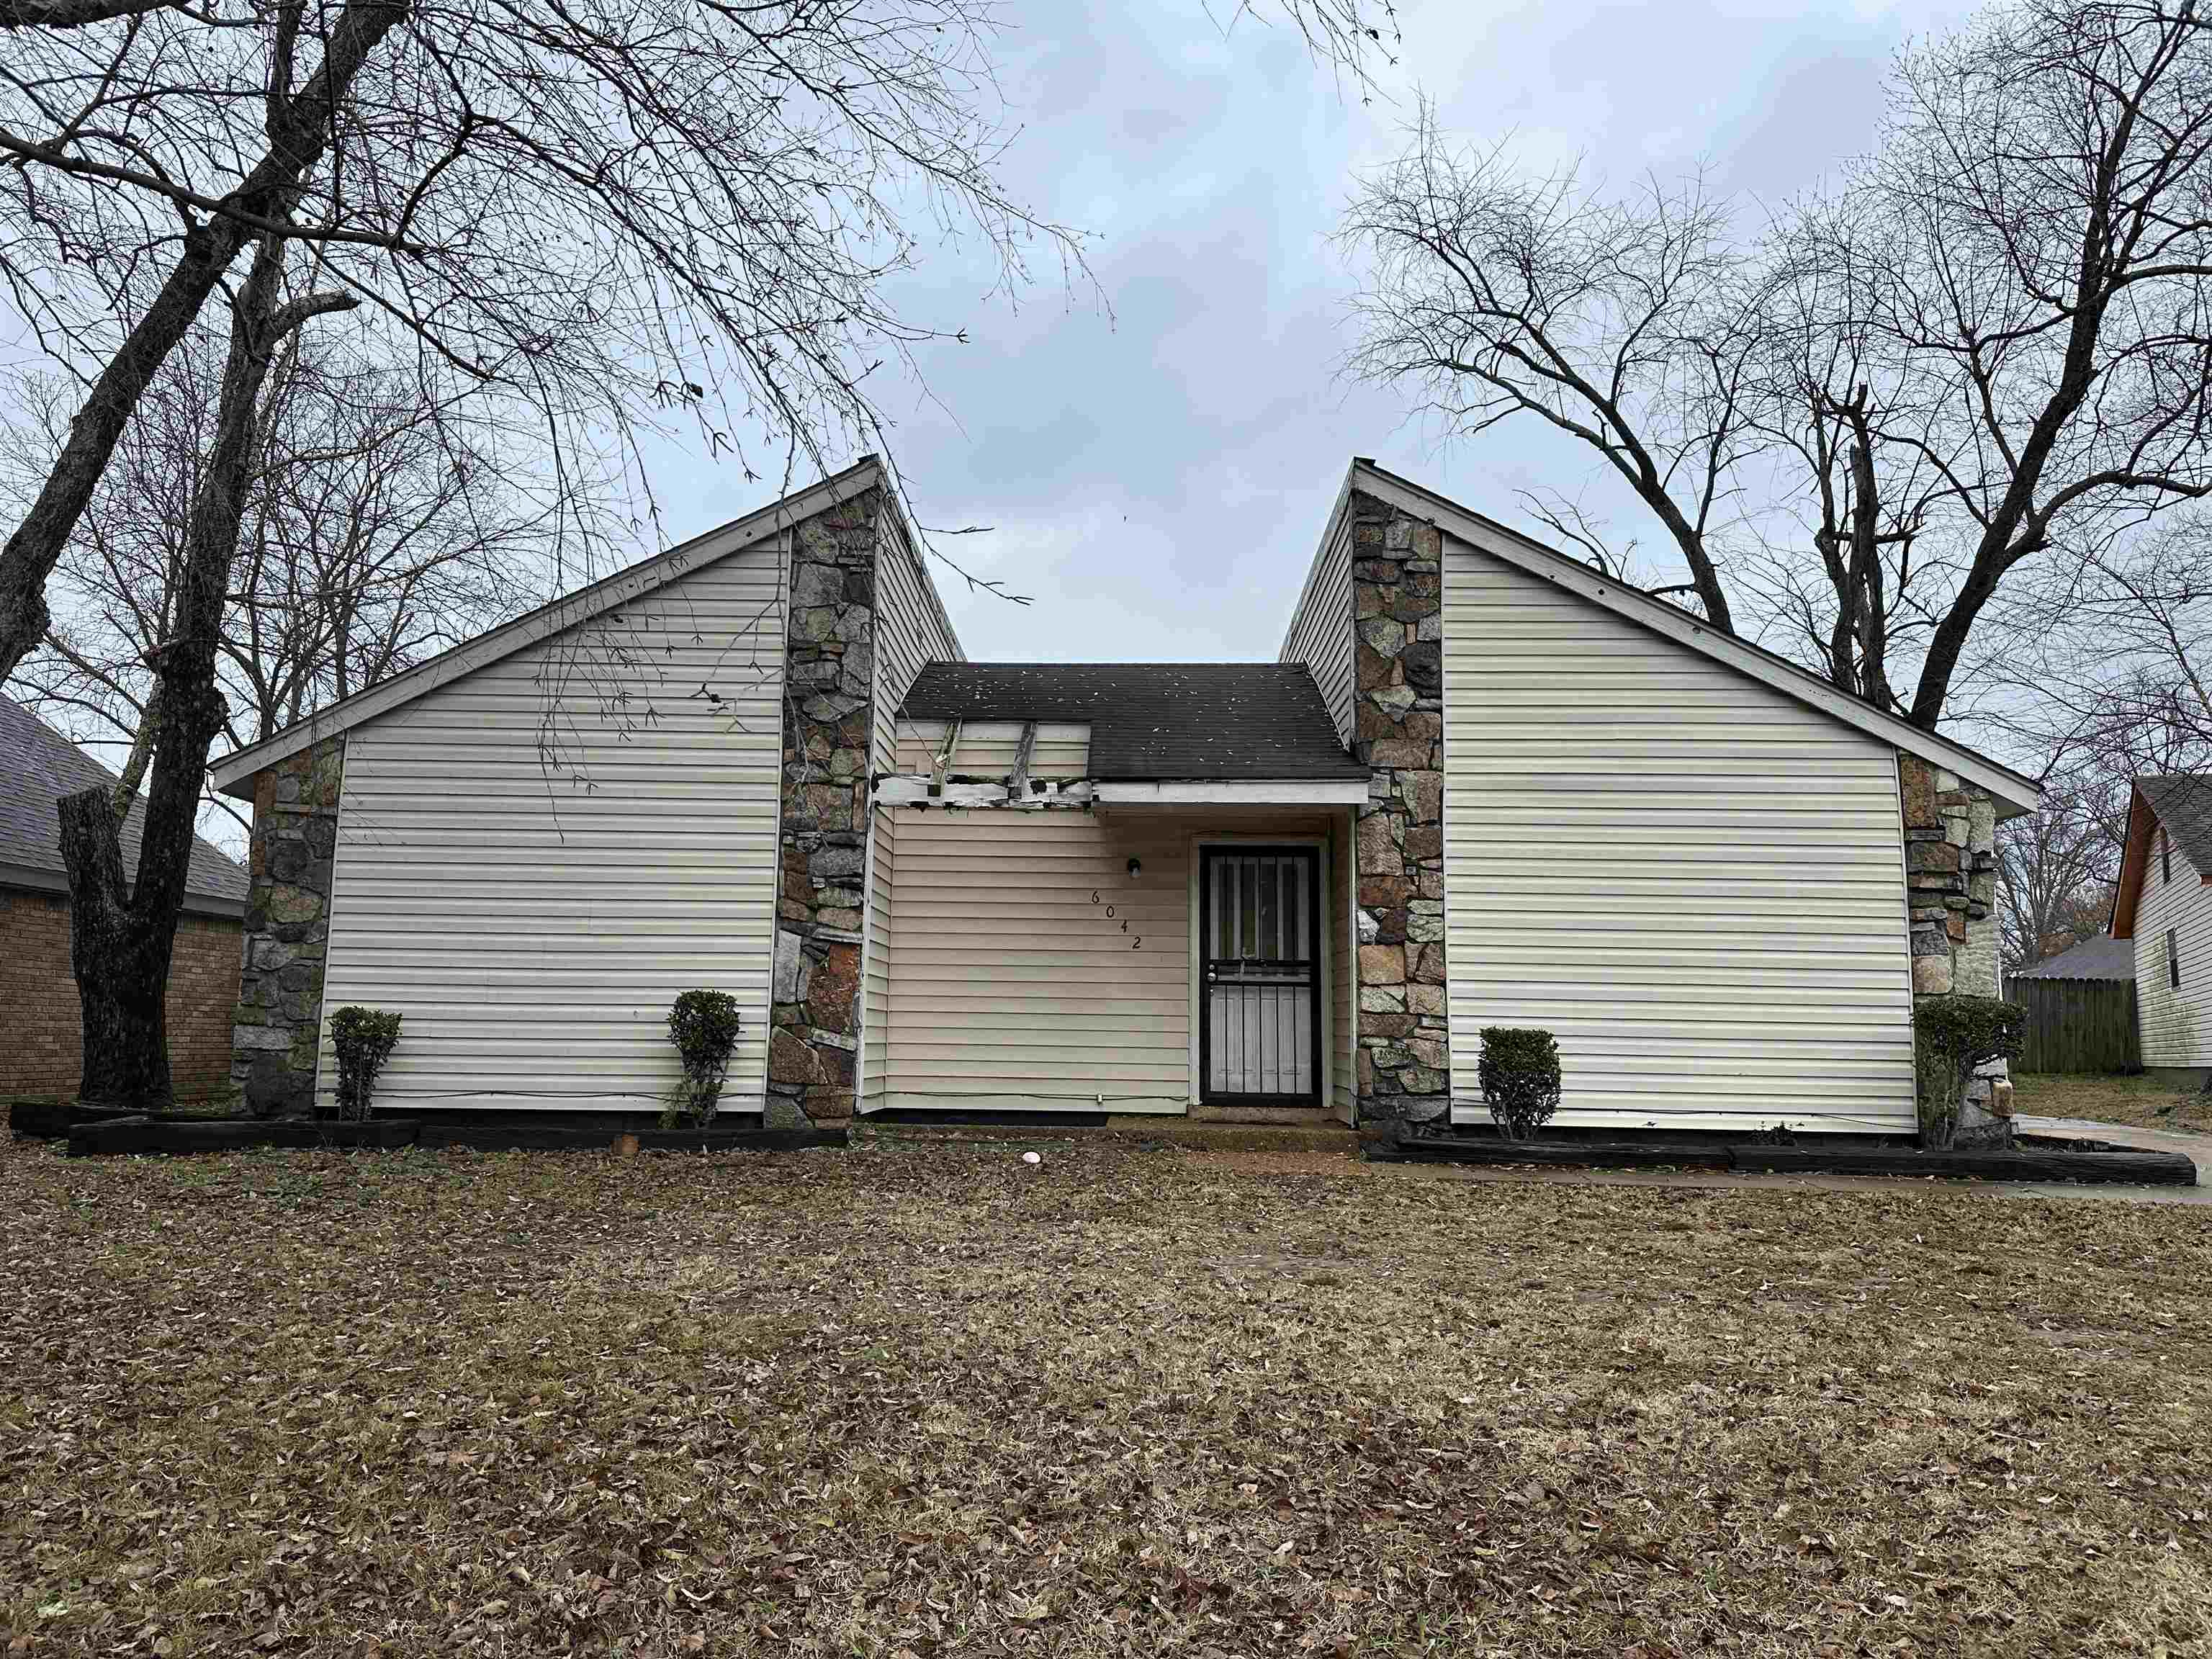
x=2136, y=1101
x=922, y=1399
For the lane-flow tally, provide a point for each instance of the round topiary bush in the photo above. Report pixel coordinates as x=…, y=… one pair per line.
x=364, y=1039
x=1519, y=1071
x=704, y=1025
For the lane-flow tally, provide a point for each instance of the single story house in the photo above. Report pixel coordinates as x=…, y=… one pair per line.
x=44, y=1053
x=2164, y=909
x=1483, y=784
x=2101, y=958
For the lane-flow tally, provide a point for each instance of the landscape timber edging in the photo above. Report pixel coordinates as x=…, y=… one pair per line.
x=2138, y=1168
x=119, y=1135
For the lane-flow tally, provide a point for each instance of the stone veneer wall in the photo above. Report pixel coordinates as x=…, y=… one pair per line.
x=278, y=1028
x=1405, y=1040
x=822, y=896
x=1950, y=881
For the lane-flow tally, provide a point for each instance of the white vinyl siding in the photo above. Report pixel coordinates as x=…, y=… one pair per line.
x=2176, y=1023
x=533, y=926
x=1320, y=634
x=911, y=631
x=1693, y=880
x=1011, y=989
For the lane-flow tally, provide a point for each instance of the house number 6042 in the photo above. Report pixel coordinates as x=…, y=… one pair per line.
x=1136, y=940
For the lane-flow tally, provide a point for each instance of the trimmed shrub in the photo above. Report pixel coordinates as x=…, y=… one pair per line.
x=703, y=1026
x=1520, y=1075
x=364, y=1038
x=1951, y=1036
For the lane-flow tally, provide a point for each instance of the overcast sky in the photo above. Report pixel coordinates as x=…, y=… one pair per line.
x=1157, y=479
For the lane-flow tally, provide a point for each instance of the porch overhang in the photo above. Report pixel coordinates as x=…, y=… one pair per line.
x=1041, y=794
x=1234, y=791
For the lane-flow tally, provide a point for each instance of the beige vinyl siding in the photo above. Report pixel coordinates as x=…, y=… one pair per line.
x=876, y=967
x=531, y=928
x=1010, y=988
x=911, y=630
x=1321, y=629
x=1695, y=881
x=989, y=748
x=1344, y=884
x=2176, y=1024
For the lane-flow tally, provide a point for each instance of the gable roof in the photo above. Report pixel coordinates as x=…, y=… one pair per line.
x=2012, y=789
x=2092, y=959
x=38, y=767
x=1165, y=721
x=234, y=773
x=2181, y=804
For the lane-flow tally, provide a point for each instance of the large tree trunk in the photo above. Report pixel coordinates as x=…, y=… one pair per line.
x=299, y=132
x=121, y=967
x=121, y=940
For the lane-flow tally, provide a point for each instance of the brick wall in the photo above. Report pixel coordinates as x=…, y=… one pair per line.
x=44, y=1050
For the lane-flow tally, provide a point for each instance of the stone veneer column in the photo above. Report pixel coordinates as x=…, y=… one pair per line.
x=278, y=1028
x=1950, y=881
x=822, y=896
x=1405, y=1042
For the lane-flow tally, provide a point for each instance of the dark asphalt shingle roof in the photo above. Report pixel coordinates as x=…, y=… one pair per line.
x=38, y=767
x=2092, y=959
x=1181, y=721
x=2184, y=805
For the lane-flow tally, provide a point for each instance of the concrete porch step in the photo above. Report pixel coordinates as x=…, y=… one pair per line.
x=1277, y=1131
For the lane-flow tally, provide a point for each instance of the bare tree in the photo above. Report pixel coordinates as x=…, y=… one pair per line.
x=1623, y=324
x=1984, y=357
x=121, y=931
x=610, y=216
x=376, y=532
x=614, y=214
x=2058, y=865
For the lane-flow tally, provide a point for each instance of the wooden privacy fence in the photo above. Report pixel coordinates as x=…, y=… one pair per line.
x=2078, y=1025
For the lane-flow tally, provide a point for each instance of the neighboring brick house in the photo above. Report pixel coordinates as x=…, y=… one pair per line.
x=1484, y=784
x=43, y=1053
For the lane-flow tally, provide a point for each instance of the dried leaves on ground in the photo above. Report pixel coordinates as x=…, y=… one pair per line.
x=922, y=1399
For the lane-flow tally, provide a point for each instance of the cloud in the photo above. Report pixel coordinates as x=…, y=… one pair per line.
x=1157, y=478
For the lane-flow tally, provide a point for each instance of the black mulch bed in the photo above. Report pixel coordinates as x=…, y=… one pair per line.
x=2042, y=1160
x=94, y=1132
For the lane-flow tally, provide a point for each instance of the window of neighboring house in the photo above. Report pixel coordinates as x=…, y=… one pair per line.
x=2172, y=959
x=2165, y=855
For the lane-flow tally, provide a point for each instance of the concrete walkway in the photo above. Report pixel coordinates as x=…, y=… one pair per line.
x=2196, y=1148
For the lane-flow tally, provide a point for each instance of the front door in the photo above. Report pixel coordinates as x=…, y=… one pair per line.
x=1260, y=1034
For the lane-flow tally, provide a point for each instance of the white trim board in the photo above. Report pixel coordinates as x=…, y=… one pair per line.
x=2020, y=793
x=1262, y=792
x=234, y=773
x=916, y=789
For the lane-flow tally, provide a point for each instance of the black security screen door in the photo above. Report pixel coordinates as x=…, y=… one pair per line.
x=1260, y=923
